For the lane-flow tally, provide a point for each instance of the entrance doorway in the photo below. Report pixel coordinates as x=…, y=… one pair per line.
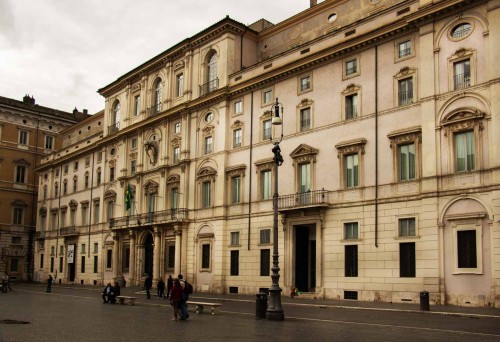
x=305, y=258
x=148, y=255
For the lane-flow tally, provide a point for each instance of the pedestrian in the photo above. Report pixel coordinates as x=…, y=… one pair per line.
x=170, y=283
x=185, y=296
x=161, y=288
x=49, y=284
x=115, y=292
x=4, y=283
x=148, y=284
x=107, y=293
x=175, y=298
x=8, y=281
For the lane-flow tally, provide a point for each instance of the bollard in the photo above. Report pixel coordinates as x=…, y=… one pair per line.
x=424, y=301
x=260, y=305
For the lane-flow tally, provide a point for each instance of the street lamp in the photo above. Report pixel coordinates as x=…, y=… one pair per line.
x=274, y=310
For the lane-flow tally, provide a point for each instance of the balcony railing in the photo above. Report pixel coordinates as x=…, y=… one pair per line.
x=155, y=110
x=113, y=128
x=209, y=87
x=405, y=97
x=351, y=112
x=170, y=215
x=303, y=199
x=462, y=81
x=65, y=231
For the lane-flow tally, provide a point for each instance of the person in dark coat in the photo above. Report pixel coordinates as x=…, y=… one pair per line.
x=115, y=291
x=170, y=283
x=183, y=307
x=148, y=284
x=161, y=288
x=175, y=298
x=49, y=284
x=107, y=293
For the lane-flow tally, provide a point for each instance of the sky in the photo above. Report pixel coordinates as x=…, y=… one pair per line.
x=62, y=51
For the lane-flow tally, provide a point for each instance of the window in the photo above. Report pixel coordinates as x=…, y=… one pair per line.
x=176, y=154
x=177, y=128
x=23, y=137
x=407, y=260
x=75, y=166
x=265, y=262
x=137, y=105
x=84, y=215
x=305, y=119
x=267, y=96
x=96, y=212
x=83, y=264
x=132, y=167
x=406, y=155
x=87, y=161
x=179, y=85
x=174, y=198
x=235, y=238
x=351, y=261
x=407, y=227
x=112, y=174
x=21, y=174
x=351, y=171
x=304, y=83
x=464, y=151
x=405, y=91
x=157, y=96
x=235, y=263
x=461, y=30
x=109, y=258
x=16, y=240
x=96, y=247
x=265, y=185
x=237, y=137
x=266, y=129
x=65, y=187
x=212, y=73
x=133, y=143
x=49, y=142
x=110, y=210
x=116, y=114
x=98, y=177
x=265, y=236
x=461, y=74
x=205, y=256
x=96, y=263
x=205, y=194
x=75, y=184
x=126, y=258
x=208, y=145
x=351, y=231
x=404, y=48
x=41, y=261
x=72, y=216
x=351, y=106
x=83, y=250
x=351, y=67
x=235, y=190
x=171, y=257
x=466, y=247
x=66, y=169
x=52, y=265
x=14, y=265
x=52, y=251
x=61, y=264
x=99, y=157
x=238, y=106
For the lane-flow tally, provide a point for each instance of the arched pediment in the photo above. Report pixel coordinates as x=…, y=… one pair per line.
x=18, y=203
x=462, y=114
x=151, y=187
x=110, y=194
x=73, y=204
x=207, y=171
x=174, y=179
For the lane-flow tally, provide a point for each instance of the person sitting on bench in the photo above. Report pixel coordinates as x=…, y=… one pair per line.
x=115, y=291
x=107, y=293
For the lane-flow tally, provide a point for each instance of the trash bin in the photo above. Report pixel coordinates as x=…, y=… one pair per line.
x=261, y=305
x=424, y=301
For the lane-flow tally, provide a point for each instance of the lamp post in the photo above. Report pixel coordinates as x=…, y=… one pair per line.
x=274, y=310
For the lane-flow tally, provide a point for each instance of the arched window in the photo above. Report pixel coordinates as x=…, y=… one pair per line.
x=212, y=73
x=116, y=113
x=157, y=96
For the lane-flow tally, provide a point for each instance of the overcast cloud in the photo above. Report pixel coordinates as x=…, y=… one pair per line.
x=62, y=51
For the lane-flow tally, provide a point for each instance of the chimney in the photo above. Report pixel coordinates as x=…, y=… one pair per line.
x=314, y=3
x=85, y=111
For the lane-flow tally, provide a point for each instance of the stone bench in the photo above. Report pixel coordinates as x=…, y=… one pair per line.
x=129, y=299
x=200, y=305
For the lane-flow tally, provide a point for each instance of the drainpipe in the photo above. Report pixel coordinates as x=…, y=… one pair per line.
x=376, y=146
x=250, y=171
x=90, y=202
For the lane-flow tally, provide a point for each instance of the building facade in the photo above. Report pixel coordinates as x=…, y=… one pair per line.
x=390, y=183
x=28, y=131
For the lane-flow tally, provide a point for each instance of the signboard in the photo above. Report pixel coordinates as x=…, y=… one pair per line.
x=71, y=254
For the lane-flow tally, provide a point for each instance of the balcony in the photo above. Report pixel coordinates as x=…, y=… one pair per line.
x=155, y=110
x=165, y=216
x=39, y=235
x=113, y=128
x=461, y=81
x=209, y=87
x=309, y=199
x=68, y=231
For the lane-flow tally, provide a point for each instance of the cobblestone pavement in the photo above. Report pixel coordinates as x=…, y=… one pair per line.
x=76, y=313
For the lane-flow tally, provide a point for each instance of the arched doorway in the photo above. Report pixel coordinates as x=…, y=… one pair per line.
x=148, y=254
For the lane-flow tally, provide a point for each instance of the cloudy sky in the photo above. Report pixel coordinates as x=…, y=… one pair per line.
x=62, y=51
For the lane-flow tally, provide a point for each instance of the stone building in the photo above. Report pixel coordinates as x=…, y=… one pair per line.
x=390, y=181
x=28, y=131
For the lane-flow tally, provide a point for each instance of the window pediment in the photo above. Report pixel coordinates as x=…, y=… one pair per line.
x=110, y=194
x=175, y=142
x=21, y=161
x=305, y=103
x=267, y=115
x=351, y=146
x=405, y=136
x=173, y=179
x=351, y=88
x=43, y=212
x=234, y=171
x=73, y=204
x=304, y=153
x=237, y=124
x=264, y=164
x=463, y=119
x=208, y=130
x=151, y=187
x=405, y=71
x=18, y=203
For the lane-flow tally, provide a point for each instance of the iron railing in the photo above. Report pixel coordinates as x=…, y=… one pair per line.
x=405, y=97
x=351, y=111
x=70, y=230
x=170, y=215
x=462, y=81
x=209, y=86
x=113, y=128
x=303, y=199
x=156, y=109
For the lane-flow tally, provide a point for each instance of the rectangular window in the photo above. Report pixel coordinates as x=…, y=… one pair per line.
x=84, y=216
x=265, y=184
x=72, y=216
x=305, y=83
x=407, y=227
x=96, y=212
x=99, y=178
x=23, y=138
x=132, y=167
x=406, y=161
x=75, y=166
x=109, y=258
x=126, y=258
x=205, y=256
x=87, y=161
x=238, y=106
x=404, y=49
x=265, y=262
x=174, y=198
x=237, y=137
x=208, y=145
x=110, y=210
x=52, y=251
x=267, y=96
x=52, y=265
x=351, y=261
x=96, y=263
x=21, y=174
x=75, y=185
x=14, y=265
x=405, y=91
x=82, y=265
x=83, y=250
x=235, y=190
x=466, y=247
x=171, y=257
x=133, y=143
x=179, y=85
x=99, y=156
x=66, y=168
x=61, y=264
x=305, y=119
x=41, y=261
x=265, y=236
x=18, y=216
x=351, y=67
x=96, y=247
x=351, y=231
x=111, y=174
x=407, y=260
x=49, y=142
x=65, y=188
x=137, y=105
x=235, y=238
x=266, y=129
x=351, y=106
x=205, y=194
x=351, y=170
x=464, y=151
x=176, y=154
x=461, y=74
x=235, y=263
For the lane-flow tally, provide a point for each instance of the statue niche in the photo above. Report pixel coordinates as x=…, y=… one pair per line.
x=152, y=151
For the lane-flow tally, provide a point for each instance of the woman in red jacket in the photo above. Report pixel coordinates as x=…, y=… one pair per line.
x=175, y=298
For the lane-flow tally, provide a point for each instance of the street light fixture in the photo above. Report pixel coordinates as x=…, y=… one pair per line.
x=274, y=310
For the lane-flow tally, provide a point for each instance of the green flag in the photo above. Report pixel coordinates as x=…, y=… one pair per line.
x=128, y=197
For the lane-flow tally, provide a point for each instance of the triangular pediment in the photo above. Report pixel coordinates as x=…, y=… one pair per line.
x=303, y=150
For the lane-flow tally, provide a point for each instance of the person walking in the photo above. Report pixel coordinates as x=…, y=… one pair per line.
x=8, y=281
x=148, y=284
x=170, y=283
x=49, y=284
x=160, y=286
x=4, y=283
x=175, y=298
x=185, y=296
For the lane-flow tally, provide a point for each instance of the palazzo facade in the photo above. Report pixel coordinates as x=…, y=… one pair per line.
x=390, y=183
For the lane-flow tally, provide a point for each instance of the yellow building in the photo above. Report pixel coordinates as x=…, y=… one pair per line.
x=390, y=182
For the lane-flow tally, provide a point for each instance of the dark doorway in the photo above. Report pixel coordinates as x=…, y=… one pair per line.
x=302, y=258
x=148, y=258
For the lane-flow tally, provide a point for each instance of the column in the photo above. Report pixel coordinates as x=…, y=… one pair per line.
x=116, y=256
x=178, y=240
x=132, y=265
x=156, y=255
